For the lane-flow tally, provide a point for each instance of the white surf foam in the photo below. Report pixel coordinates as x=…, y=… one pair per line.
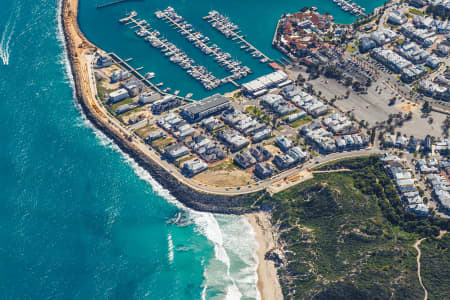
x=7, y=34
x=235, y=248
x=206, y=223
x=241, y=245
x=170, y=247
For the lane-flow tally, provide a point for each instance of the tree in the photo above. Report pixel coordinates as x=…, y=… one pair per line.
x=446, y=126
x=300, y=78
x=348, y=81
x=372, y=135
x=430, y=121
x=426, y=107
x=356, y=85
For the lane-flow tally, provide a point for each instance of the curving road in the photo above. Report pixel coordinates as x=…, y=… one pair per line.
x=230, y=191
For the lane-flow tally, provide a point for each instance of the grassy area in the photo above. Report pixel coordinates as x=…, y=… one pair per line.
x=102, y=90
x=416, y=11
x=133, y=111
x=254, y=110
x=215, y=131
x=163, y=143
x=347, y=236
x=435, y=267
x=258, y=113
x=179, y=162
x=227, y=164
x=144, y=131
x=114, y=106
x=350, y=48
x=300, y=122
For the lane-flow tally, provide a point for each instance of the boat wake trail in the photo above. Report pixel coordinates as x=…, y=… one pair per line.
x=8, y=32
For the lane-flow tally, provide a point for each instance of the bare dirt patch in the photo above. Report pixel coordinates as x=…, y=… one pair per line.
x=407, y=107
x=225, y=178
x=274, y=150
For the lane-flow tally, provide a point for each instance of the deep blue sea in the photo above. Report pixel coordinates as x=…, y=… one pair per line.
x=79, y=219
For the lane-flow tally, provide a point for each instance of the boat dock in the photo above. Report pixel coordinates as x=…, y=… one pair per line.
x=230, y=30
x=202, y=42
x=175, y=55
x=349, y=7
x=128, y=17
x=123, y=63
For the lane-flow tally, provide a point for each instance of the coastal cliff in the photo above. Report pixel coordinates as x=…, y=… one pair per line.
x=77, y=44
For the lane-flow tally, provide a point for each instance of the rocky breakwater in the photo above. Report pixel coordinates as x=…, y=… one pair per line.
x=77, y=46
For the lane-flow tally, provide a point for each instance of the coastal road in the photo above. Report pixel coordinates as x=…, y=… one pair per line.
x=230, y=191
x=139, y=145
x=267, y=183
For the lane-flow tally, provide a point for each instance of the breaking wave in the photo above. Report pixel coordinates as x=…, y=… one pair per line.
x=231, y=273
x=5, y=42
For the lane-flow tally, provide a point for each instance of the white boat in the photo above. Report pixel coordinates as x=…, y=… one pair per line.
x=150, y=75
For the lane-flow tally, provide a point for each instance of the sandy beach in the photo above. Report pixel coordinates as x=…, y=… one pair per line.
x=78, y=46
x=268, y=284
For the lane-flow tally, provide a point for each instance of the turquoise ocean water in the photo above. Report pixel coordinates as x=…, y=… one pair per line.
x=79, y=219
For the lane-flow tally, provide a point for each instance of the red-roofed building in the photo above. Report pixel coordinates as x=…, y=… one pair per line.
x=298, y=34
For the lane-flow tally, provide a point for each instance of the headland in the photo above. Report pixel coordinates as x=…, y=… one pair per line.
x=226, y=154
x=78, y=46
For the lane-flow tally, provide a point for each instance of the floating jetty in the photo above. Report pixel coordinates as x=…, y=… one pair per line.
x=200, y=41
x=231, y=31
x=128, y=18
x=173, y=53
x=352, y=8
x=123, y=63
